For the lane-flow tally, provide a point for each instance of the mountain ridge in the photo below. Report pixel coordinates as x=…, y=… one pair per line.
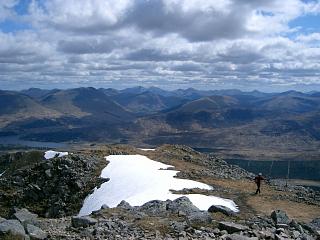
x=230, y=119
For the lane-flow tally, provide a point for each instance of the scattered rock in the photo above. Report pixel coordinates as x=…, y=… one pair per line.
x=12, y=228
x=316, y=223
x=83, y=221
x=221, y=209
x=199, y=218
x=25, y=217
x=35, y=232
x=231, y=227
x=280, y=217
x=238, y=237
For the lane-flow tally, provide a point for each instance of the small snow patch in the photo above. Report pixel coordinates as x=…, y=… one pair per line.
x=147, y=149
x=51, y=154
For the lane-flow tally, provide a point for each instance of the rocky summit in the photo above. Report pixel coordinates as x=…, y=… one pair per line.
x=50, y=188
x=41, y=198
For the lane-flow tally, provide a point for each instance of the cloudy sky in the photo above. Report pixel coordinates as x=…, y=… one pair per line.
x=270, y=45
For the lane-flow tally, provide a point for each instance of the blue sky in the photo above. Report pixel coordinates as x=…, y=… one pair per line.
x=267, y=45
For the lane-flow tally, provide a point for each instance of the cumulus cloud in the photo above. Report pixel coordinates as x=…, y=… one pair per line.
x=217, y=43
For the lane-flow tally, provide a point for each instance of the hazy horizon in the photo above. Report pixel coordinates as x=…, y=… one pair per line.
x=162, y=88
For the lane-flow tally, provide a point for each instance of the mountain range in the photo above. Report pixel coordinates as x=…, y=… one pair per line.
x=255, y=122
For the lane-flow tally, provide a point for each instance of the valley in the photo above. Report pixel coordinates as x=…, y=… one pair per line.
x=248, y=125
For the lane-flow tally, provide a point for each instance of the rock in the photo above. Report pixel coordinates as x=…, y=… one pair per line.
x=12, y=228
x=279, y=237
x=182, y=214
x=306, y=237
x=125, y=205
x=296, y=234
x=221, y=209
x=35, y=232
x=154, y=208
x=232, y=227
x=282, y=225
x=26, y=217
x=280, y=217
x=296, y=225
x=83, y=221
x=104, y=206
x=316, y=223
x=237, y=237
x=266, y=234
x=78, y=185
x=199, y=218
x=178, y=226
x=279, y=230
x=48, y=173
x=216, y=231
x=182, y=204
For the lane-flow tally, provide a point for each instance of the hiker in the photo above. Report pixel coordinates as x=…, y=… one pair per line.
x=258, y=180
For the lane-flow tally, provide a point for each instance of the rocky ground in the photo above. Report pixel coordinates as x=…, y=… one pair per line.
x=54, y=190
x=177, y=219
x=50, y=188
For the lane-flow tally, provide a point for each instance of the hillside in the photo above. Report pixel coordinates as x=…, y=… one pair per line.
x=16, y=107
x=146, y=102
x=240, y=124
x=294, y=209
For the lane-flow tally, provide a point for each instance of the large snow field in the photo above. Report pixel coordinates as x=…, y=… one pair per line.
x=137, y=180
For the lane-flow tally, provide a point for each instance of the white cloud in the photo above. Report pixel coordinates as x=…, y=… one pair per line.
x=217, y=42
x=309, y=38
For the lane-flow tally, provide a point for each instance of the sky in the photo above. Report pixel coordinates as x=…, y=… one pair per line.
x=268, y=45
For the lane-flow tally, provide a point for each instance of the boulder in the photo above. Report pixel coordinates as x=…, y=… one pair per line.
x=26, y=217
x=222, y=209
x=125, y=205
x=316, y=223
x=235, y=236
x=13, y=229
x=35, y=233
x=199, y=218
x=294, y=224
x=182, y=204
x=280, y=217
x=313, y=227
x=154, y=208
x=83, y=221
x=104, y=206
x=231, y=227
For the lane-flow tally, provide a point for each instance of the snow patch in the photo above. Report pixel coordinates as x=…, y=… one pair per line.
x=51, y=154
x=138, y=179
x=147, y=149
x=2, y=173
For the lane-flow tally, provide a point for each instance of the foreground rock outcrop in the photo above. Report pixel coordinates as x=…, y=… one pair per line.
x=51, y=188
x=25, y=226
